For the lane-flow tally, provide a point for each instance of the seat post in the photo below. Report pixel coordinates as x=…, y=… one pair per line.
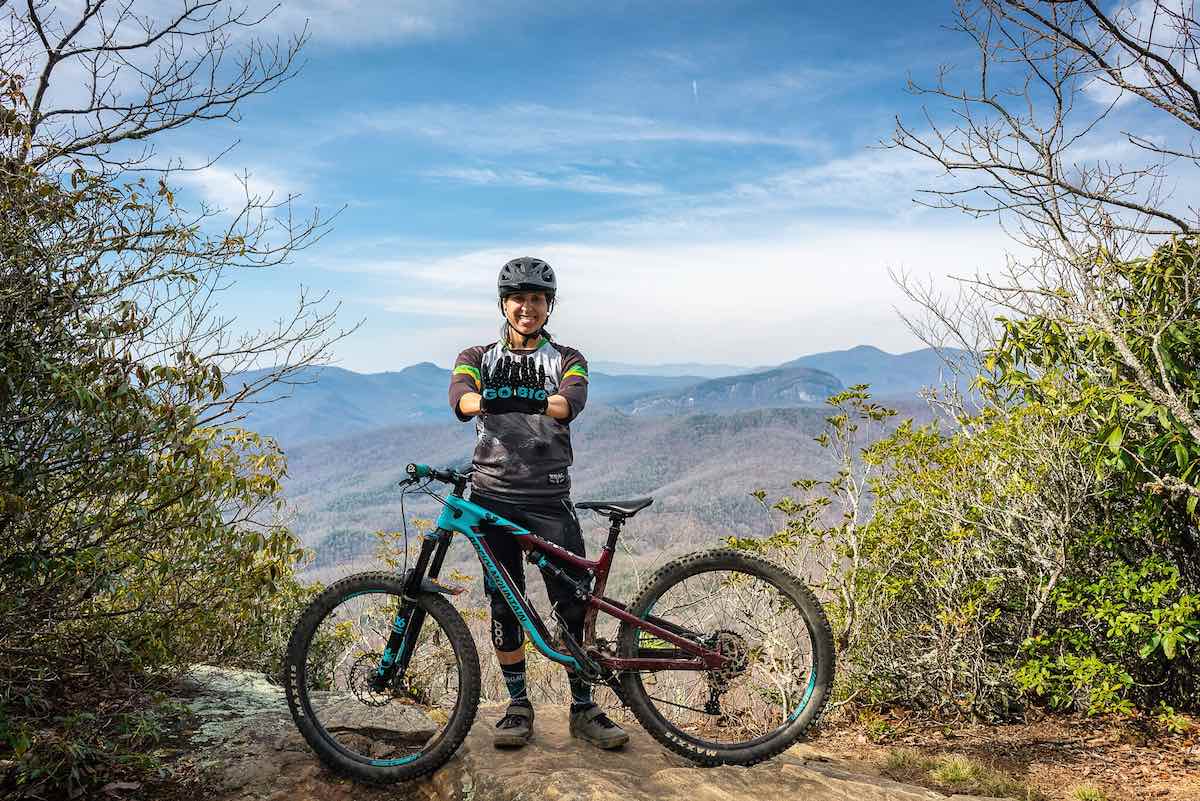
x=614, y=531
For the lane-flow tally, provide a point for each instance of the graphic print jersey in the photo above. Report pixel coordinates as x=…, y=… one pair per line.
x=523, y=457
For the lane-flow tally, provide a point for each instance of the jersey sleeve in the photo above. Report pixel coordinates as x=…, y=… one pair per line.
x=574, y=383
x=466, y=377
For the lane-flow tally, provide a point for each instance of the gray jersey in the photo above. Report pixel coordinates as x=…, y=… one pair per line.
x=523, y=457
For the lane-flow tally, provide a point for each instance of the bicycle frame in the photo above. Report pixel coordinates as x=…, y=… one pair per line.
x=472, y=521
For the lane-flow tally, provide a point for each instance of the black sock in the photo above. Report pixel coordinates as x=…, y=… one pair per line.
x=514, y=679
x=581, y=692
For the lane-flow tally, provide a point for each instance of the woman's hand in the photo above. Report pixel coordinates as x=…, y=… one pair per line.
x=513, y=385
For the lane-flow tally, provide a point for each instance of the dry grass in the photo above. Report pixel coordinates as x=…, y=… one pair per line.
x=959, y=774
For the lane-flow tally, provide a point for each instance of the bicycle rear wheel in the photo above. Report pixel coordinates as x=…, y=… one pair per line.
x=780, y=649
x=394, y=733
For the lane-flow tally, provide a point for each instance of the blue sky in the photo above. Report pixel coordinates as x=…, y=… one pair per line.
x=701, y=174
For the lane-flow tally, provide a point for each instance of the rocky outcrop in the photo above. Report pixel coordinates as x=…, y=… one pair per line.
x=244, y=745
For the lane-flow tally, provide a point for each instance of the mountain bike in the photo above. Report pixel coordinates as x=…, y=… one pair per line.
x=722, y=656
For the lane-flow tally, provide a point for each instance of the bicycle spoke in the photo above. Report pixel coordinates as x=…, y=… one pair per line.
x=764, y=635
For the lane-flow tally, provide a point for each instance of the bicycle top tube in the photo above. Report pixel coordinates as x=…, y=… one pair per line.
x=459, y=514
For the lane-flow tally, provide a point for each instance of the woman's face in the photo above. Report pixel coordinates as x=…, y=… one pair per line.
x=526, y=311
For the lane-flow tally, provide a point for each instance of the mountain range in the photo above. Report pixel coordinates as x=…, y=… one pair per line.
x=326, y=403
x=699, y=444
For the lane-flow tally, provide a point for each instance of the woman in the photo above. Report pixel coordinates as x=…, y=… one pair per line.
x=522, y=456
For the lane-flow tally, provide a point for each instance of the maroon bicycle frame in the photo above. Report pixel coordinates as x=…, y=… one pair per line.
x=702, y=658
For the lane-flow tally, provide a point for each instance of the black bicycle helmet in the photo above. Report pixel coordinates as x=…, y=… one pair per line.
x=526, y=274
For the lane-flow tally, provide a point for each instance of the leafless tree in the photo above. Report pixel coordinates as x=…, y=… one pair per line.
x=102, y=82
x=1077, y=131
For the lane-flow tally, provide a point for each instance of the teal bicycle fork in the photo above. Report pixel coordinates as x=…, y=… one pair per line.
x=461, y=516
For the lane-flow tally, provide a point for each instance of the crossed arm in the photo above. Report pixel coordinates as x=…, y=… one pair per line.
x=557, y=406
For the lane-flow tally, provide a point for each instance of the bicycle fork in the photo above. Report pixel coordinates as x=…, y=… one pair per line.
x=406, y=626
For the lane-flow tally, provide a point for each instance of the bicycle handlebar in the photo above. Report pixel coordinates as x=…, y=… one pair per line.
x=418, y=471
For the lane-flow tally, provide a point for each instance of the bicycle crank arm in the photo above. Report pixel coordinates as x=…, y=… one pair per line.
x=589, y=669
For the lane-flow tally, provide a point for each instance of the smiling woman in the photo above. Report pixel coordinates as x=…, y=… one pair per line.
x=524, y=390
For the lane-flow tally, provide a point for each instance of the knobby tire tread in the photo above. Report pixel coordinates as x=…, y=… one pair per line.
x=824, y=656
x=465, y=651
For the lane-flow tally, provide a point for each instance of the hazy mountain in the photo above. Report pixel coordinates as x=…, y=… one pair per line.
x=889, y=374
x=330, y=402
x=783, y=386
x=674, y=369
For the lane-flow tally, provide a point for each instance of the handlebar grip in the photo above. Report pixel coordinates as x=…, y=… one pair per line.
x=418, y=470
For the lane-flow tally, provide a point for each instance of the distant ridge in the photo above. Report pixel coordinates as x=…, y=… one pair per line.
x=332, y=402
x=889, y=374
x=781, y=387
x=697, y=369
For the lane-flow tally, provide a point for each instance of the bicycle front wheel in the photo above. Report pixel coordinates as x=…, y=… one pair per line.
x=780, y=658
x=377, y=734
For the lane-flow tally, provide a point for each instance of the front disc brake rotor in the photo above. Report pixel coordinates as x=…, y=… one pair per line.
x=361, y=678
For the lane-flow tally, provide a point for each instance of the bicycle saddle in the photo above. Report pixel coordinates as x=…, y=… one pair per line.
x=623, y=508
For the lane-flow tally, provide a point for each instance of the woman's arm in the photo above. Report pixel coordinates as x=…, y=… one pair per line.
x=556, y=405
x=469, y=403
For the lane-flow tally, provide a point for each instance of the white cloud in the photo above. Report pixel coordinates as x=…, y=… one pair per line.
x=350, y=22
x=567, y=180
x=526, y=127
x=228, y=189
x=367, y=21
x=876, y=183
x=876, y=179
x=758, y=301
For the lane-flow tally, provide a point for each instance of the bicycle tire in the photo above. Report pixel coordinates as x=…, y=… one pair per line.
x=300, y=697
x=820, y=673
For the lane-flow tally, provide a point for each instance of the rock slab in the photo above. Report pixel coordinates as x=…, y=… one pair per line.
x=246, y=748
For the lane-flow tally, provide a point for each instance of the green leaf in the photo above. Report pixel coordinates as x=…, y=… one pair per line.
x=1114, y=440
x=1151, y=646
x=1168, y=645
x=1191, y=504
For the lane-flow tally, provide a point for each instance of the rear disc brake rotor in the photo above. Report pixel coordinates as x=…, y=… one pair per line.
x=736, y=650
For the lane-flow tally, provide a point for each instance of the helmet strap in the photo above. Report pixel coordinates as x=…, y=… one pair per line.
x=524, y=337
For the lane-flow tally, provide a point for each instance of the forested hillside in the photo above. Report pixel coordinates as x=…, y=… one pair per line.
x=700, y=469
x=781, y=387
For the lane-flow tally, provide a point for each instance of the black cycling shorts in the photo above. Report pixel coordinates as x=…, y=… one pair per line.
x=551, y=520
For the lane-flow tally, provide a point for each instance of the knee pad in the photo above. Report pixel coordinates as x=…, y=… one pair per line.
x=507, y=634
